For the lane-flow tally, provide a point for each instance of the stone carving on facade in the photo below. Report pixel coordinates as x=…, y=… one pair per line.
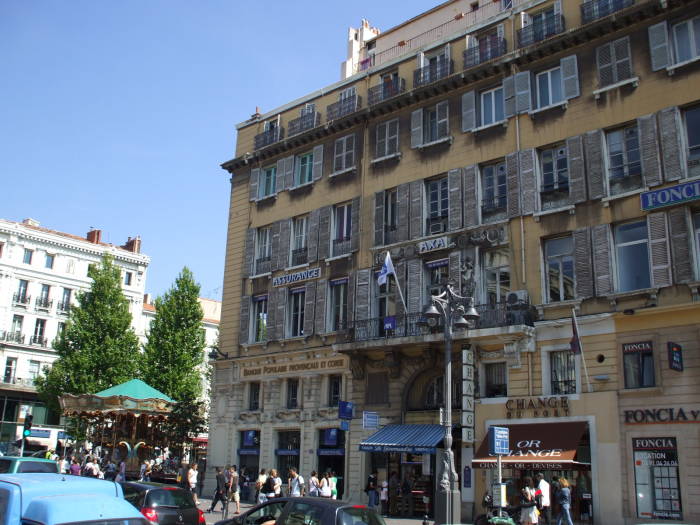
x=357, y=366
x=288, y=414
x=514, y=347
x=249, y=417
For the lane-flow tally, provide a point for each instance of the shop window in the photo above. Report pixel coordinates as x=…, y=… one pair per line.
x=624, y=163
x=692, y=129
x=339, y=304
x=492, y=107
x=260, y=318
x=292, y=393
x=254, y=396
x=297, y=298
x=554, y=186
x=377, y=392
x=657, y=484
x=288, y=449
x=632, y=252
x=438, y=205
x=495, y=380
x=638, y=361
x=335, y=383
x=562, y=372
x=559, y=262
x=268, y=182
x=496, y=275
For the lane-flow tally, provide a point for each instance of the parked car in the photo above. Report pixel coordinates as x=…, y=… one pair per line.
x=163, y=504
x=306, y=511
x=16, y=464
x=57, y=499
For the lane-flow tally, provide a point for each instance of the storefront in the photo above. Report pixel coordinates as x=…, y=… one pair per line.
x=249, y=453
x=287, y=452
x=331, y=455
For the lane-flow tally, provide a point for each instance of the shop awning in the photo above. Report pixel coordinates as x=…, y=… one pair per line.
x=537, y=446
x=415, y=439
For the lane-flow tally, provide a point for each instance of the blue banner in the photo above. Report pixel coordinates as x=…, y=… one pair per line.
x=330, y=437
x=248, y=451
x=38, y=433
x=690, y=191
x=345, y=409
x=330, y=451
x=287, y=451
x=249, y=438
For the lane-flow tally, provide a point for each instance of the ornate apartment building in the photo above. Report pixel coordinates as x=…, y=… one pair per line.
x=543, y=156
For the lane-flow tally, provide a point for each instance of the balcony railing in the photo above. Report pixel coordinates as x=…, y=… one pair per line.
x=300, y=256
x=537, y=31
x=268, y=137
x=343, y=107
x=596, y=9
x=432, y=72
x=303, y=123
x=43, y=302
x=491, y=316
x=342, y=246
x=489, y=47
x=386, y=90
x=14, y=337
x=38, y=340
x=263, y=265
x=391, y=235
x=21, y=298
x=64, y=307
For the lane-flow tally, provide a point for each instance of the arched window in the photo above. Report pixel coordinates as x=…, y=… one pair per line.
x=434, y=392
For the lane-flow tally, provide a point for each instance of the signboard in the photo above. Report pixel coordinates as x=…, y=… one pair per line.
x=498, y=490
x=297, y=277
x=345, y=409
x=441, y=243
x=678, y=194
x=390, y=323
x=38, y=433
x=248, y=451
x=641, y=346
x=345, y=425
x=64, y=435
x=675, y=356
x=656, y=478
x=287, y=451
x=330, y=437
x=330, y=451
x=293, y=368
x=550, y=406
x=370, y=420
x=654, y=415
x=499, y=441
x=467, y=394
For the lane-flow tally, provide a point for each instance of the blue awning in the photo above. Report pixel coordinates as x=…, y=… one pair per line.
x=415, y=439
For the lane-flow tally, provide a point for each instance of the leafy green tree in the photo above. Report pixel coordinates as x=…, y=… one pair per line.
x=173, y=356
x=98, y=348
x=184, y=422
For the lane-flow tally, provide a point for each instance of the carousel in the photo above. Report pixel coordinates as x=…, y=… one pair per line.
x=125, y=421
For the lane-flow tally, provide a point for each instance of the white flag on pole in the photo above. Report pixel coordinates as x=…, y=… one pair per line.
x=387, y=269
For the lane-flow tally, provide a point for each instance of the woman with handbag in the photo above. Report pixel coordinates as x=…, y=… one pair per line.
x=528, y=504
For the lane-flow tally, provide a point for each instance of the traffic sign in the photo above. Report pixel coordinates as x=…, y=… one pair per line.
x=370, y=419
x=499, y=441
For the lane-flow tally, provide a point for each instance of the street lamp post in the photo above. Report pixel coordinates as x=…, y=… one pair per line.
x=456, y=312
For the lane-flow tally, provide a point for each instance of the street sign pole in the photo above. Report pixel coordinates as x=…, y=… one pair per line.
x=500, y=484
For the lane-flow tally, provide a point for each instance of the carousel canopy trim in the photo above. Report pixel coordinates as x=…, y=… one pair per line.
x=134, y=397
x=135, y=389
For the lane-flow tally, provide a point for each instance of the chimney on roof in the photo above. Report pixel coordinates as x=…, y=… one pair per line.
x=30, y=222
x=257, y=113
x=133, y=245
x=94, y=236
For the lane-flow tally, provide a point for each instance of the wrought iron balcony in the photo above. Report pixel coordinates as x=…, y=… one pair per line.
x=268, y=137
x=38, y=340
x=303, y=123
x=342, y=246
x=43, y=302
x=21, y=298
x=343, y=107
x=386, y=90
x=596, y=9
x=14, y=337
x=64, y=307
x=263, y=264
x=492, y=47
x=537, y=31
x=300, y=256
x=432, y=72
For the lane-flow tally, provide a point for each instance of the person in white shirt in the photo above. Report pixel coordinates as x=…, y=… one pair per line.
x=544, y=489
x=296, y=483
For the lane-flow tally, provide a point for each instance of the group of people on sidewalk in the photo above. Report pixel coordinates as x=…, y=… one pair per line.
x=227, y=488
x=390, y=493
x=270, y=485
x=536, y=501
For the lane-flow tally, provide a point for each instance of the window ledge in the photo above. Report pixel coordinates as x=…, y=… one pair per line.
x=644, y=292
x=672, y=68
x=266, y=198
x=430, y=144
x=338, y=257
x=563, y=105
x=570, y=208
x=260, y=275
x=503, y=123
x=606, y=200
x=634, y=81
x=301, y=186
x=286, y=340
x=305, y=265
x=248, y=346
x=385, y=158
x=571, y=303
x=634, y=392
x=342, y=172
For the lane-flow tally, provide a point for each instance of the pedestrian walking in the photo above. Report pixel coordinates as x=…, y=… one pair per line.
x=546, y=498
x=325, y=485
x=564, y=500
x=121, y=475
x=384, y=498
x=394, y=493
x=260, y=496
x=407, y=496
x=278, y=483
x=268, y=488
x=528, y=505
x=192, y=475
x=234, y=488
x=334, y=485
x=371, y=490
x=295, y=484
x=220, y=491
x=314, y=485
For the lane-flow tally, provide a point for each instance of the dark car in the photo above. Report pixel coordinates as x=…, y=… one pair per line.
x=163, y=504
x=306, y=511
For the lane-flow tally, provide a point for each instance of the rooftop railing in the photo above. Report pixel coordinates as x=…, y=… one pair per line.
x=386, y=90
x=537, y=31
x=591, y=11
x=303, y=123
x=268, y=137
x=343, y=107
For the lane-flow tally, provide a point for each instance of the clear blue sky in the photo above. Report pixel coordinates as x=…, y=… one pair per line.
x=116, y=114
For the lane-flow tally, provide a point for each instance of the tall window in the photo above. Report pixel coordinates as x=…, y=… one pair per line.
x=28, y=254
x=496, y=275
x=10, y=369
x=692, y=128
x=263, y=247
x=549, y=87
x=17, y=321
x=342, y=229
x=48, y=261
x=632, y=256
x=624, y=165
x=334, y=388
x=260, y=318
x=43, y=300
x=559, y=259
x=562, y=372
x=686, y=39
x=437, y=276
x=435, y=122
x=438, y=205
x=387, y=138
x=268, y=182
x=296, y=310
x=292, y=393
x=34, y=368
x=303, y=170
x=696, y=229
x=22, y=288
x=39, y=331
x=64, y=305
x=495, y=381
x=344, y=153
x=555, y=169
x=128, y=276
x=638, y=360
x=254, y=396
x=386, y=298
x=299, y=252
x=492, y=106
x=390, y=216
x=339, y=304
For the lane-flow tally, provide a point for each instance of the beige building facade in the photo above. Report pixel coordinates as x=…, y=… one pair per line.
x=542, y=157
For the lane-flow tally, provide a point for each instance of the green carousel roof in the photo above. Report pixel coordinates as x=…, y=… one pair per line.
x=135, y=389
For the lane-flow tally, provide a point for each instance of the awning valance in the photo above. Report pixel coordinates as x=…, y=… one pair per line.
x=415, y=439
x=537, y=446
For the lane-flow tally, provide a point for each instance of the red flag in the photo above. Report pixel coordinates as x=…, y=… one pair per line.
x=575, y=342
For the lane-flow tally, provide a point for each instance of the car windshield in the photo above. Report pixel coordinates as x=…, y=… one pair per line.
x=170, y=497
x=358, y=516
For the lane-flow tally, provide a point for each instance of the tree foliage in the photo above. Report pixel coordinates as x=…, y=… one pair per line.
x=184, y=422
x=174, y=353
x=98, y=348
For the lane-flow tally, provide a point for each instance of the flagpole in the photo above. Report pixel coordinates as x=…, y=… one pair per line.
x=580, y=344
x=398, y=287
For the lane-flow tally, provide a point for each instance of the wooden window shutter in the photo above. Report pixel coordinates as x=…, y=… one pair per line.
x=309, y=306
x=557, y=7
x=454, y=185
x=471, y=201
x=351, y=298
x=275, y=249
x=414, y=291
x=623, y=59
x=455, y=270
x=659, y=47
x=320, y=308
x=680, y=245
x=324, y=233
x=355, y=224
x=249, y=262
x=583, y=264
x=271, y=315
x=659, y=252
x=253, y=184
x=288, y=173
x=379, y=218
x=595, y=164
x=512, y=185
x=281, y=313
x=443, y=124
x=469, y=116
x=577, y=169
x=509, y=96
x=244, y=334
x=380, y=149
x=447, y=52
x=362, y=284
x=392, y=137
x=569, y=77
x=279, y=175
x=602, y=264
x=523, y=99
x=312, y=236
x=400, y=268
x=350, y=145
x=673, y=152
x=604, y=62
x=416, y=220
x=317, y=168
x=284, y=243
x=402, y=211
x=528, y=184
x=649, y=146
x=417, y=128
x=338, y=154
